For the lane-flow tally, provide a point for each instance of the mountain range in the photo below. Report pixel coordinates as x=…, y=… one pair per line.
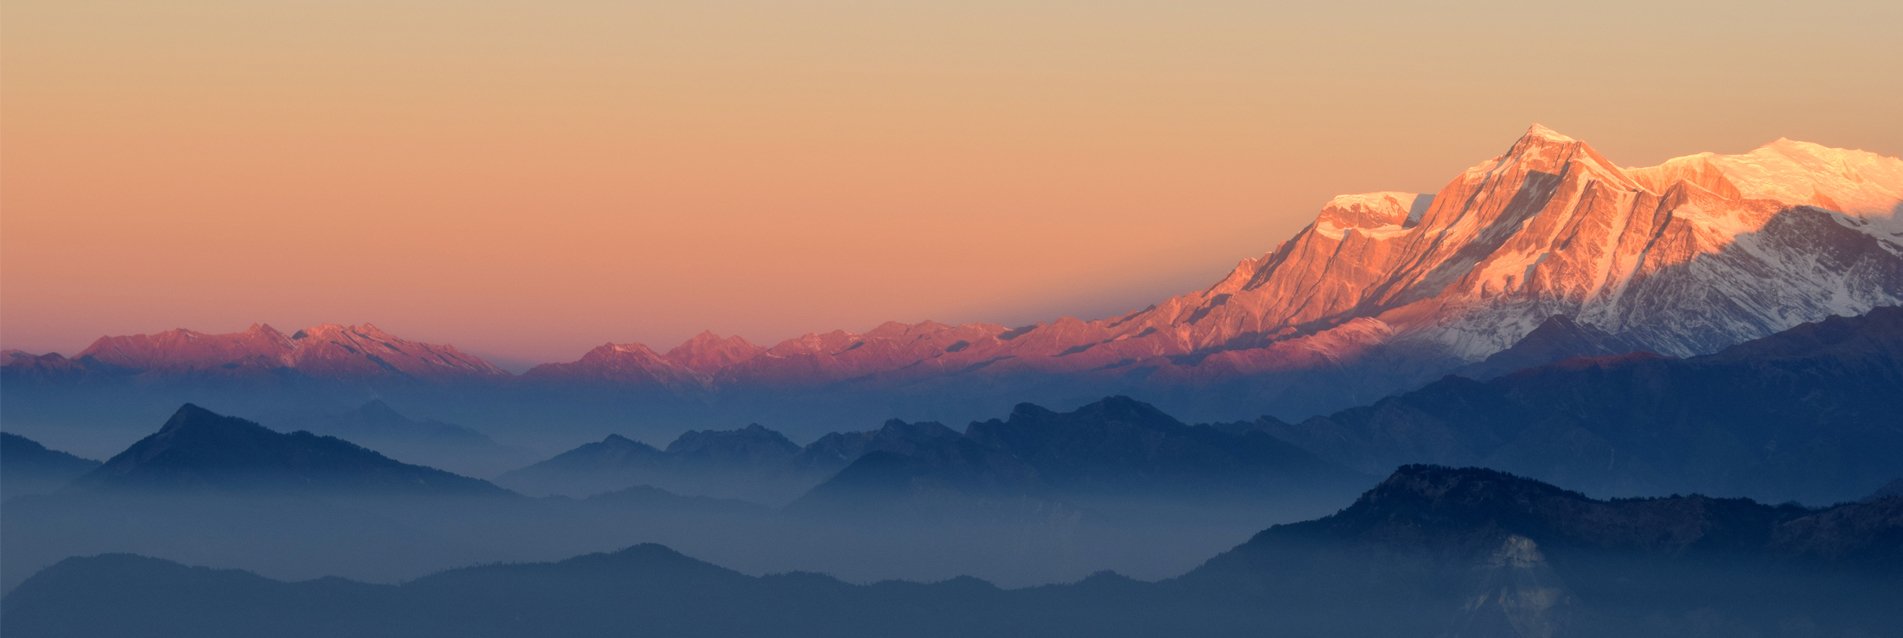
x=1117, y=447
x=1035, y=496
x=200, y=450
x=751, y=463
x=1437, y=551
x=1102, y=458
x=1381, y=293
x=222, y=489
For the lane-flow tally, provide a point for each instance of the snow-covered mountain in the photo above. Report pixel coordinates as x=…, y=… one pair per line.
x=1382, y=292
x=323, y=351
x=1686, y=257
x=1689, y=256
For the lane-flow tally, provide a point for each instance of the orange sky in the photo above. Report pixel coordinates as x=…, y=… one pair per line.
x=528, y=179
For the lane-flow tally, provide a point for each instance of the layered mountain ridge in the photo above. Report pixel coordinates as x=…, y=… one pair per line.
x=1429, y=551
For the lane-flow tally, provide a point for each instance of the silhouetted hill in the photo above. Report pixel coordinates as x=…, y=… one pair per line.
x=378, y=426
x=1474, y=548
x=1806, y=414
x=1429, y=551
x=198, y=449
x=1116, y=450
x=611, y=463
x=1120, y=444
x=836, y=450
x=751, y=463
x=26, y=467
x=751, y=446
x=1475, y=509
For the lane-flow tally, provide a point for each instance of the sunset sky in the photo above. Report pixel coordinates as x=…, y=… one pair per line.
x=529, y=179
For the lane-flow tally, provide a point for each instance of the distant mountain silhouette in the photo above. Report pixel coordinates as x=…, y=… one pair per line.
x=380, y=427
x=198, y=449
x=1430, y=551
x=26, y=467
x=614, y=461
x=1487, y=553
x=836, y=450
x=1808, y=414
x=1474, y=510
x=1117, y=448
x=751, y=463
x=752, y=446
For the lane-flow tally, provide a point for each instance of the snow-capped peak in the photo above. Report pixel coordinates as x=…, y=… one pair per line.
x=1540, y=131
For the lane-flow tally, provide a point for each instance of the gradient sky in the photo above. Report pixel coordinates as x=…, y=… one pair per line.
x=529, y=179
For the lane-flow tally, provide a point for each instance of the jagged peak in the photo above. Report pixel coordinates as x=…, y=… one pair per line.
x=322, y=330
x=631, y=347
x=1543, y=132
x=1547, y=150
x=753, y=433
x=616, y=440
x=1379, y=214
x=707, y=339
x=192, y=417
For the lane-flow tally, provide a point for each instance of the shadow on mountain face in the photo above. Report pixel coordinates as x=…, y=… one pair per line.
x=1429, y=551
